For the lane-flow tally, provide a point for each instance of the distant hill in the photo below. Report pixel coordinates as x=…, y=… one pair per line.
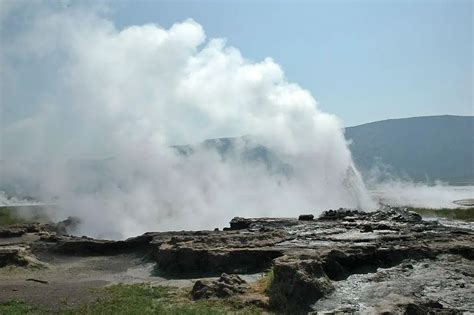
x=421, y=148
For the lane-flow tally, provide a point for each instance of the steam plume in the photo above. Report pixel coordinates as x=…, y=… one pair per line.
x=92, y=114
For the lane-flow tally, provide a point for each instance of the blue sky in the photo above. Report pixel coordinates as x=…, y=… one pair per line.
x=362, y=60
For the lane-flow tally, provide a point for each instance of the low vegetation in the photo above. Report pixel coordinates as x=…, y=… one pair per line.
x=9, y=217
x=18, y=308
x=263, y=284
x=141, y=299
x=464, y=214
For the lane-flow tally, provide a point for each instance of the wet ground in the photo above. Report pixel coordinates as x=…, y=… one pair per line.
x=442, y=280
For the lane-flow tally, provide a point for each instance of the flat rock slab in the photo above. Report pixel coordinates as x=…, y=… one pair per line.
x=311, y=259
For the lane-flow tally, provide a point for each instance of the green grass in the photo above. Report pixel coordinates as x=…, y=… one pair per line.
x=464, y=214
x=263, y=284
x=141, y=299
x=18, y=308
x=9, y=217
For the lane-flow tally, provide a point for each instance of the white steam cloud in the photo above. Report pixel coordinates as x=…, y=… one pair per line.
x=76, y=89
x=405, y=193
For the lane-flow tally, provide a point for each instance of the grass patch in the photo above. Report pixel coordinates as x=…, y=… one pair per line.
x=263, y=284
x=141, y=299
x=8, y=216
x=463, y=214
x=19, y=308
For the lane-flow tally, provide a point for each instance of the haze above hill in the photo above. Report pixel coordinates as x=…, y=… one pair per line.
x=421, y=149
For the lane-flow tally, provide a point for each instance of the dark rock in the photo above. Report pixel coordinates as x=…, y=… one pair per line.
x=367, y=228
x=17, y=256
x=37, y=280
x=83, y=246
x=297, y=283
x=430, y=307
x=339, y=264
x=239, y=223
x=341, y=213
x=396, y=214
x=190, y=261
x=12, y=255
x=67, y=226
x=382, y=226
x=12, y=232
x=407, y=266
x=306, y=217
x=224, y=287
x=215, y=253
x=18, y=230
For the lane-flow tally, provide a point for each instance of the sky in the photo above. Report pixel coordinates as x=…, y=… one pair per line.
x=362, y=60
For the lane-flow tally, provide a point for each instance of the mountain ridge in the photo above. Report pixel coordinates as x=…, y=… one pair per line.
x=425, y=148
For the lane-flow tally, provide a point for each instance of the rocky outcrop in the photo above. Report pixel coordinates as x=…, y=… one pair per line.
x=211, y=253
x=17, y=230
x=68, y=226
x=306, y=217
x=12, y=231
x=239, y=223
x=224, y=287
x=340, y=214
x=204, y=262
x=19, y=256
x=428, y=307
x=309, y=258
x=297, y=281
x=85, y=246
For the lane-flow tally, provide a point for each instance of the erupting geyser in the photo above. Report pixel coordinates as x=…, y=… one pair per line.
x=97, y=130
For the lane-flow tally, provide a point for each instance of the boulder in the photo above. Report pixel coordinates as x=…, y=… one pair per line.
x=297, y=283
x=340, y=213
x=239, y=223
x=306, y=217
x=224, y=287
x=429, y=307
x=67, y=226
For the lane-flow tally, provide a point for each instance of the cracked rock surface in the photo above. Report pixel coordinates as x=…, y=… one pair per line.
x=344, y=261
x=225, y=286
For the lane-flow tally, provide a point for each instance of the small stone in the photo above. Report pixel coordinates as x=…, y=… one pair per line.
x=367, y=228
x=306, y=217
x=407, y=266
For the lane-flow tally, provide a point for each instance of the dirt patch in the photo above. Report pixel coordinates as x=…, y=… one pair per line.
x=52, y=295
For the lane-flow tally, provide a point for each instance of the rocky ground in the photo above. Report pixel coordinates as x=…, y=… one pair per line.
x=344, y=261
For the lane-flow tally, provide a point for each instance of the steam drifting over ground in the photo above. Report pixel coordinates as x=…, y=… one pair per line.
x=404, y=193
x=91, y=112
